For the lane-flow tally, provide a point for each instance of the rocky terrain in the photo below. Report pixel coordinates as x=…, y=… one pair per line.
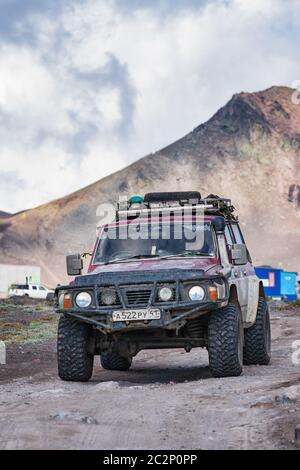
x=248, y=151
x=167, y=400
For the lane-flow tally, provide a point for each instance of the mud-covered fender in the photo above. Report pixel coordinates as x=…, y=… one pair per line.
x=253, y=295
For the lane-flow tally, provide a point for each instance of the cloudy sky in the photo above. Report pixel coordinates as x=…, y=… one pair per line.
x=89, y=86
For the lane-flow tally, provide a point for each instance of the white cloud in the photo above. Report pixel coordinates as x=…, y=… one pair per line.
x=99, y=86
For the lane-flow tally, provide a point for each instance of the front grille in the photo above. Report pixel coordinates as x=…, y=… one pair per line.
x=134, y=296
x=138, y=297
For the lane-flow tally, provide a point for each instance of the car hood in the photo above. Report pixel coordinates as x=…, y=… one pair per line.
x=205, y=264
x=149, y=271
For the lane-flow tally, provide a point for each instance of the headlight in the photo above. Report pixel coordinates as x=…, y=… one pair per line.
x=165, y=294
x=196, y=293
x=83, y=299
x=108, y=296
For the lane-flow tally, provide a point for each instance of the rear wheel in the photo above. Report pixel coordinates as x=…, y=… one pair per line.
x=113, y=361
x=75, y=363
x=225, y=342
x=257, y=346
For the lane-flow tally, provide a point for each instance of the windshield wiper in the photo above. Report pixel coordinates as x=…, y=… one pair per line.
x=117, y=260
x=185, y=253
x=172, y=255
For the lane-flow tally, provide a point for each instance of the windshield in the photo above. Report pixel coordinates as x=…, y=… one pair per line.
x=155, y=241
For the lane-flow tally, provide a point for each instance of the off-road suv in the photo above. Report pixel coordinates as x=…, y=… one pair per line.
x=171, y=271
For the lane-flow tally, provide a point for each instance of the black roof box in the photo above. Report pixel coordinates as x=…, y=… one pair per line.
x=191, y=197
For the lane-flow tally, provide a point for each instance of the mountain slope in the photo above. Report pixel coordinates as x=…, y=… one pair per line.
x=4, y=215
x=248, y=151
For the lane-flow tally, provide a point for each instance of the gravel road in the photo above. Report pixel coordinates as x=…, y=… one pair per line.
x=167, y=400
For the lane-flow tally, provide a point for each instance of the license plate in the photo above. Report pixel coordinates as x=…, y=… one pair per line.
x=136, y=315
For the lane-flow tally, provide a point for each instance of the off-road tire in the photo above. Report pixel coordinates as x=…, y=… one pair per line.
x=113, y=361
x=225, y=342
x=75, y=363
x=257, y=344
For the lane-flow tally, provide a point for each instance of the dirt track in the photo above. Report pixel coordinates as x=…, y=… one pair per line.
x=167, y=400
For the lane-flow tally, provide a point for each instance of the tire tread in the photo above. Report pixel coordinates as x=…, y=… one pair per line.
x=74, y=361
x=255, y=350
x=222, y=342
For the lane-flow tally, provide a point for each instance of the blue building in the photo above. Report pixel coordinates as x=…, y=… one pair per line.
x=278, y=284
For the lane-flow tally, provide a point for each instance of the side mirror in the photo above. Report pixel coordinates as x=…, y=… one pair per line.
x=74, y=265
x=219, y=224
x=239, y=253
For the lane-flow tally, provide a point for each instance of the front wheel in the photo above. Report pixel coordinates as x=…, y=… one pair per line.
x=257, y=347
x=75, y=363
x=225, y=342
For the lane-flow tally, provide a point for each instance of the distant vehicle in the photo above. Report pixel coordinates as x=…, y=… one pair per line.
x=35, y=291
x=156, y=291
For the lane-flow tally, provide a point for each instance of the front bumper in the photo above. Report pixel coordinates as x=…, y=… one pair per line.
x=168, y=320
x=173, y=313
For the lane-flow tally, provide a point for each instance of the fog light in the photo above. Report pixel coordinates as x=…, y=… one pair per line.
x=165, y=294
x=108, y=296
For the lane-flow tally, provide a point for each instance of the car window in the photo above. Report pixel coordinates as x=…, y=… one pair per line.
x=34, y=287
x=41, y=288
x=228, y=236
x=155, y=240
x=239, y=238
x=237, y=234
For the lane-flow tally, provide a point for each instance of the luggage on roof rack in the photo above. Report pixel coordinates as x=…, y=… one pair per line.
x=221, y=206
x=183, y=197
x=171, y=202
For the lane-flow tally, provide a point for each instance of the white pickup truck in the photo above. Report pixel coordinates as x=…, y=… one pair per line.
x=34, y=291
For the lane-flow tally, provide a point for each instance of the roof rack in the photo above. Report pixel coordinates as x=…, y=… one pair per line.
x=172, y=202
x=221, y=206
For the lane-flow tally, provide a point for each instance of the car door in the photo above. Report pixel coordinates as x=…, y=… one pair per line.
x=250, y=282
x=33, y=292
x=24, y=290
x=239, y=272
x=42, y=292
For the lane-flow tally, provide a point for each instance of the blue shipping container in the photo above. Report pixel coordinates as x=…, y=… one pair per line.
x=278, y=283
x=271, y=280
x=288, y=282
